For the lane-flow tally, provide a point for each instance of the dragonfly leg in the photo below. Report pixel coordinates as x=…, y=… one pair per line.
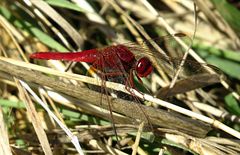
x=129, y=83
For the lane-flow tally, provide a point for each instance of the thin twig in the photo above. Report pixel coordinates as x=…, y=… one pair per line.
x=73, y=138
x=184, y=58
x=4, y=143
x=137, y=140
x=41, y=134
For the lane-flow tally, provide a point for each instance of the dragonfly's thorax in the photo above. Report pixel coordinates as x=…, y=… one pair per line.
x=126, y=56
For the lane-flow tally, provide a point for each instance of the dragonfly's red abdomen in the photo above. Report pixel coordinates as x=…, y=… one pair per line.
x=89, y=56
x=143, y=67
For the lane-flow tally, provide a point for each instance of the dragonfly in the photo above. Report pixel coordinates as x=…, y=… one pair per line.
x=121, y=62
x=114, y=60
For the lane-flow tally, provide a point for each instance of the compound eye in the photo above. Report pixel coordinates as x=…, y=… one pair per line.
x=144, y=67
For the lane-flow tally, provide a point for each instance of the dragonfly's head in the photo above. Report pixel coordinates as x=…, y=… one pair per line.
x=143, y=67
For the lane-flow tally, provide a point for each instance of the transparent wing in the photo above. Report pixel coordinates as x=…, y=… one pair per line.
x=168, y=60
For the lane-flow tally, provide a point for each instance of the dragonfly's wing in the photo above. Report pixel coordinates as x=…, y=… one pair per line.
x=199, y=74
x=187, y=84
x=166, y=45
x=161, y=51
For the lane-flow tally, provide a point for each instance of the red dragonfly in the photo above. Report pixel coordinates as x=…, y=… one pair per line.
x=113, y=61
x=117, y=61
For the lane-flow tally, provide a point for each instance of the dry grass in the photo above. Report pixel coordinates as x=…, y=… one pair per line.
x=196, y=113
